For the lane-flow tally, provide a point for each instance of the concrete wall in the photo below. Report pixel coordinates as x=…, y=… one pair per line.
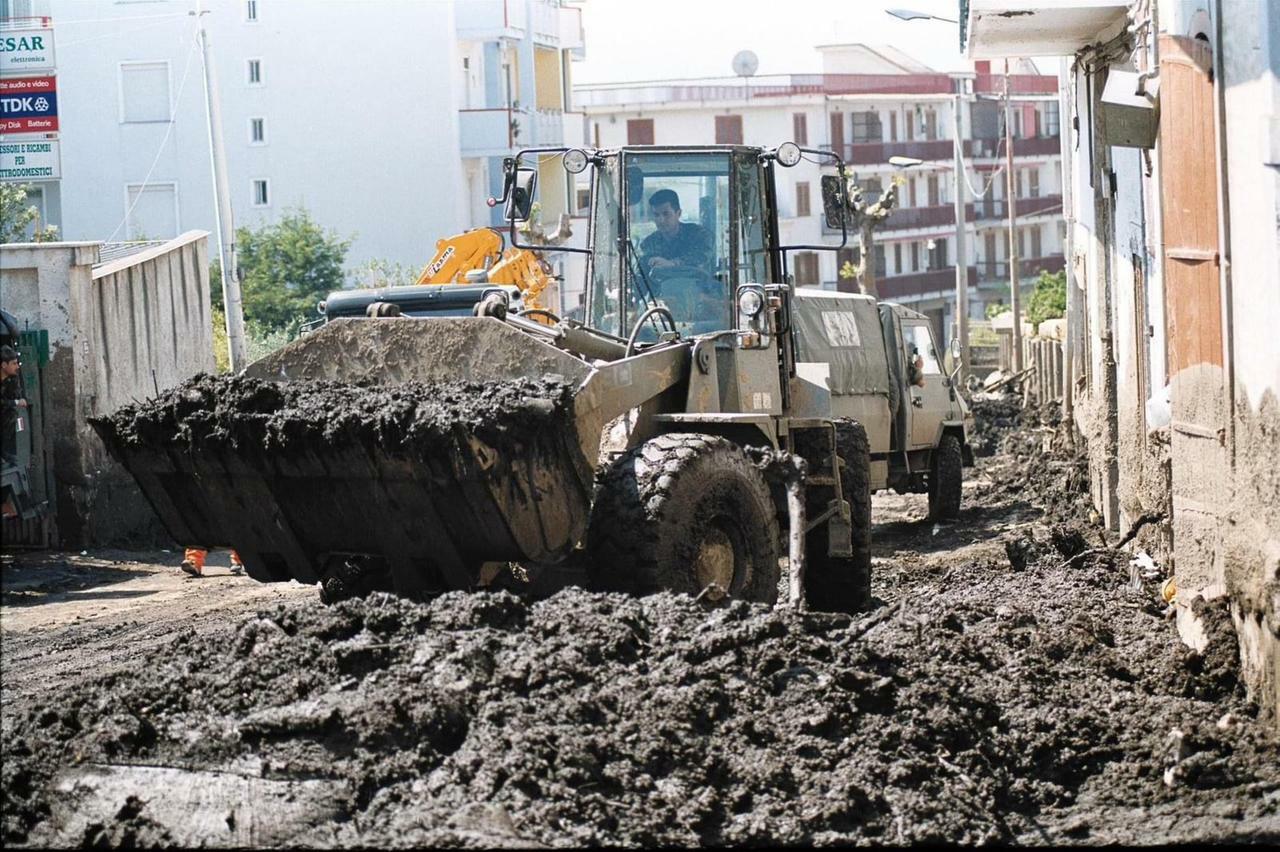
x=117, y=333
x=1249, y=551
x=1217, y=466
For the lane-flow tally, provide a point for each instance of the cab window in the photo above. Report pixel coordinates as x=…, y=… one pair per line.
x=678, y=239
x=919, y=339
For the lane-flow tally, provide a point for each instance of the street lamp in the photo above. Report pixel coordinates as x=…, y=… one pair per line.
x=962, y=252
x=904, y=162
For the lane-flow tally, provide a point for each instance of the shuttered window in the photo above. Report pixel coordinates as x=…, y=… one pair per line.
x=144, y=92
x=802, y=198
x=728, y=130
x=640, y=131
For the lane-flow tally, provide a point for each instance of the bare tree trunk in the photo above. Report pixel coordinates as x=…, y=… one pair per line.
x=866, y=247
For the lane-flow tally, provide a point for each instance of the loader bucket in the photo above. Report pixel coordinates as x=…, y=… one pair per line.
x=432, y=445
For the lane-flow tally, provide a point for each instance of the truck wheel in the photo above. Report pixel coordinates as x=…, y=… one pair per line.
x=945, y=478
x=843, y=583
x=685, y=513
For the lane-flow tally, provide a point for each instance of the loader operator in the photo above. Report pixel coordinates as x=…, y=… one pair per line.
x=676, y=247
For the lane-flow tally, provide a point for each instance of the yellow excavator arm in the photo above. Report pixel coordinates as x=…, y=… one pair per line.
x=481, y=248
x=457, y=255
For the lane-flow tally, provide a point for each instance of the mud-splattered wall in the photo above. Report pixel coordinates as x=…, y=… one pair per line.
x=118, y=331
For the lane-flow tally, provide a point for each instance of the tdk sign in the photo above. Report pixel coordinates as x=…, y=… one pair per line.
x=29, y=106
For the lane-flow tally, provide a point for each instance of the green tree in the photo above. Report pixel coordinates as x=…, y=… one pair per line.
x=16, y=216
x=286, y=268
x=1049, y=298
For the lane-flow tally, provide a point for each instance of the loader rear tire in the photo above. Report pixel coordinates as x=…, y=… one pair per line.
x=945, y=479
x=843, y=583
x=685, y=513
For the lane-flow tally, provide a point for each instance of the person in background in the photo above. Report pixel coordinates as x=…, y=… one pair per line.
x=193, y=561
x=13, y=402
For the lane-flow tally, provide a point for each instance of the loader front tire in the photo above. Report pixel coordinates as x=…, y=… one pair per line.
x=945, y=479
x=685, y=513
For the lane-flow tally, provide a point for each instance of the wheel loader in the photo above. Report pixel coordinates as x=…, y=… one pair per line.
x=711, y=417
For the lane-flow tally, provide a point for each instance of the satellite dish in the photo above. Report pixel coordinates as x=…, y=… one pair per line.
x=745, y=63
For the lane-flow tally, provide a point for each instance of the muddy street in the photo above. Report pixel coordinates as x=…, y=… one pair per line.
x=1016, y=681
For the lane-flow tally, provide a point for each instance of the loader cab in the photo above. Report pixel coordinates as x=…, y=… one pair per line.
x=679, y=228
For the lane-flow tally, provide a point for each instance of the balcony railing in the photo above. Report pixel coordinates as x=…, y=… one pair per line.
x=919, y=283
x=998, y=270
x=995, y=208
x=1028, y=147
x=486, y=132
x=1019, y=84
x=878, y=153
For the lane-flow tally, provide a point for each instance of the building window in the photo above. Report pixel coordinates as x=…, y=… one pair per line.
x=806, y=269
x=261, y=193
x=251, y=10
x=255, y=72
x=893, y=127
x=1033, y=176
x=911, y=192
x=1051, y=118
x=802, y=198
x=584, y=201
x=1018, y=184
x=728, y=130
x=938, y=254
x=871, y=190
x=933, y=191
x=897, y=259
x=929, y=124
x=1035, y=241
x=866, y=127
x=144, y=92
x=881, y=263
x=640, y=131
x=915, y=257
x=151, y=211
x=800, y=128
x=257, y=131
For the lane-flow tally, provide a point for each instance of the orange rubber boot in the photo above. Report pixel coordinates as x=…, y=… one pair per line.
x=193, y=560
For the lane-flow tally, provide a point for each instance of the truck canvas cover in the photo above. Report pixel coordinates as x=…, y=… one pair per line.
x=843, y=330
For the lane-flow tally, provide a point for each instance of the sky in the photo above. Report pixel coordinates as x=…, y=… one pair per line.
x=664, y=39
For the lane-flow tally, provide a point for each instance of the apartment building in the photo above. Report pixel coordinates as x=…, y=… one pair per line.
x=386, y=121
x=1173, y=297
x=871, y=103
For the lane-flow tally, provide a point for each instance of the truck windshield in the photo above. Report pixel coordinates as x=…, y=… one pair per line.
x=675, y=242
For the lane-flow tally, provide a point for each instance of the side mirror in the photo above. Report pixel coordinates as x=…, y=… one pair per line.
x=953, y=357
x=833, y=200
x=520, y=199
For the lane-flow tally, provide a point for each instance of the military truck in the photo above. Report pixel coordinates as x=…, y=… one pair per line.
x=719, y=418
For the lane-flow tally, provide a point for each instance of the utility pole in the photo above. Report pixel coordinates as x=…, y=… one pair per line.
x=1011, y=203
x=223, y=218
x=962, y=236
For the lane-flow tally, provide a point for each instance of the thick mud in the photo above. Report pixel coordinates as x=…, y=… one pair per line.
x=1013, y=684
x=280, y=417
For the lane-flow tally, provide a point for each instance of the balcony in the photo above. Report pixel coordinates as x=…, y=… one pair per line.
x=999, y=28
x=1035, y=146
x=486, y=20
x=486, y=132
x=878, y=153
x=918, y=284
x=1019, y=84
x=993, y=208
x=998, y=270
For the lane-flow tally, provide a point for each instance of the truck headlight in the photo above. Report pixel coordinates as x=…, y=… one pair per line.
x=750, y=303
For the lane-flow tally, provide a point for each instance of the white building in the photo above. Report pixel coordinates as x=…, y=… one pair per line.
x=870, y=103
x=386, y=121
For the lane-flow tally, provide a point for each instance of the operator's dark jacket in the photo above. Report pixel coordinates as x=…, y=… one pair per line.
x=691, y=246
